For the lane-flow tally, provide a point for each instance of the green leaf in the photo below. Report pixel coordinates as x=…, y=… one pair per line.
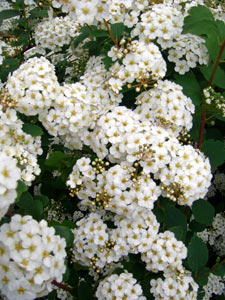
x=25, y=201
x=197, y=254
x=178, y=232
x=69, y=224
x=84, y=290
x=51, y=296
x=215, y=151
x=32, y=129
x=213, y=46
x=117, y=30
x=44, y=199
x=220, y=270
x=21, y=187
x=174, y=217
x=36, y=13
x=197, y=227
x=221, y=29
x=190, y=86
x=30, y=206
x=65, y=233
x=55, y=159
x=203, y=211
x=199, y=21
x=107, y=62
x=85, y=32
x=202, y=279
x=219, y=78
x=8, y=13
x=99, y=33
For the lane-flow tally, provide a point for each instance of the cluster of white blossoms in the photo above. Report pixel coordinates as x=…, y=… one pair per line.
x=15, y=142
x=186, y=51
x=54, y=33
x=175, y=285
x=34, y=85
x=166, y=105
x=140, y=62
x=123, y=286
x=31, y=257
x=215, y=235
x=215, y=286
x=9, y=175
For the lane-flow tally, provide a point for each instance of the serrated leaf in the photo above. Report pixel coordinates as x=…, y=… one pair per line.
x=32, y=129
x=117, y=30
x=8, y=13
x=219, y=78
x=197, y=254
x=201, y=27
x=66, y=233
x=212, y=147
x=178, y=232
x=220, y=270
x=190, y=86
x=203, y=211
x=174, y=217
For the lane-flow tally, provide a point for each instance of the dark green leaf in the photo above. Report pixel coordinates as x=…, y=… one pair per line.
x=174, y=217
x=190, y=86
x=21, y=187
x=221, y=29
x=117, y=30
x=8, y=13
x=202, y=278
x=203, y=211
x=201, y=27
x=69, y=224
x=51, y=296
x=197, y=227
x=35, y=210
x=36, y=13
x=220, y=270
x=99, y=33
x=66, y=233
x=44, y=199
x=178, y=232
x=32, y=129
x=159, y=213
x=197, y=254
x=85, y=32
x=212, y=43
x=107, y=62
x=25, y=201
x=55, y=159
x=84, y=290
x=219, y=78
x=212, y=147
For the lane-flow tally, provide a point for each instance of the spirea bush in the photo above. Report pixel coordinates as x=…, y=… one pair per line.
x=112, y=151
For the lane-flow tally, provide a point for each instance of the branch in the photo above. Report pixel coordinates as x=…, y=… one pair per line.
x=110, y=34
x=62, y=286
x=210, y=270
x=216, y=64
x=7, y=35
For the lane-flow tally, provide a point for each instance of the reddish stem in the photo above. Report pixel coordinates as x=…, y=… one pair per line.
x=8, y=35
x=217, y=62
x=61, y=286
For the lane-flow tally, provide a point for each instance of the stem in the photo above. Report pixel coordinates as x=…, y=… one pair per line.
x=61, y=286
x=110, y=33
x=216, y=64
x=7, y=35
x=210, y=270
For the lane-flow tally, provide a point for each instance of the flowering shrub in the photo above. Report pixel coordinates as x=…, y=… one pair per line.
x=112, y=149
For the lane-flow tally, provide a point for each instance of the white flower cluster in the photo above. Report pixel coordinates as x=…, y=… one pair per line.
x=34, y=85
x=92, y=11
x=166, y=105
x=215, y=235
x=31, y=257
x=161, y=22
x=141, y=62
x=186, y=51
x=9, y=175
x=123, y=286
x=54, y=33
x=175, y=285
x=18, y=144
x=215, y=286
x=166, y=252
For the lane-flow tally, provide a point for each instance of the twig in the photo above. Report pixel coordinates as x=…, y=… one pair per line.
x=216, y=64
x=8, y=35
x=210, y=270
x=61, y=286
x=110, y=34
